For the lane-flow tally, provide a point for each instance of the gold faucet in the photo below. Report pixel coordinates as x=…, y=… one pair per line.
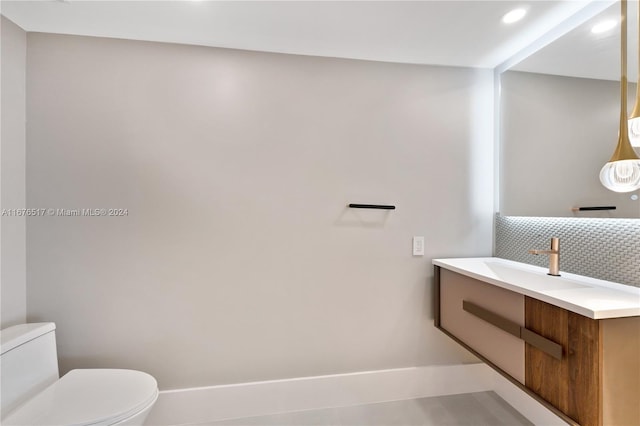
x=554, y=256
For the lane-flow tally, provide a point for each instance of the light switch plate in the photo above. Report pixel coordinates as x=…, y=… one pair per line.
x=418, y=246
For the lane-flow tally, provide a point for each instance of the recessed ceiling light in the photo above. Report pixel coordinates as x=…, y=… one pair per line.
x=514, y=16
x=604, y=26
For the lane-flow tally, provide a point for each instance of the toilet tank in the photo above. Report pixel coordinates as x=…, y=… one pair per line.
x=28, y=363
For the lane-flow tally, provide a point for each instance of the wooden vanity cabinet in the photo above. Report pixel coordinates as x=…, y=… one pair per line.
x=597, y=381
x=590, y=378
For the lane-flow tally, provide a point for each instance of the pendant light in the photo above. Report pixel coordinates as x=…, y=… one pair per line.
x=634, y=119
x=622, y=172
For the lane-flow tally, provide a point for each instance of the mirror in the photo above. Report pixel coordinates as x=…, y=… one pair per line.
x=559, y=118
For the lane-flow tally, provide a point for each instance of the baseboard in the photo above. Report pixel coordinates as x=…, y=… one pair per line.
x=212, y=403
x=207, y=404
x=537, y=413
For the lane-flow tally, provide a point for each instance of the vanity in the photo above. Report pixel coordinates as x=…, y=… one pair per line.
x=571, y=342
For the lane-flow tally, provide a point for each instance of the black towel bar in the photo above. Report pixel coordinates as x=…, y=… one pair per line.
x=582, y=209
x=372, y=206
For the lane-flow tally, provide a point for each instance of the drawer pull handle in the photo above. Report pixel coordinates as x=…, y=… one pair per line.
x=548, y=346
x=545, y=345
x=492, y=318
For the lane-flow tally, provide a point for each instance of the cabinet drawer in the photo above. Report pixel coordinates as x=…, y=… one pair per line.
x=505, y=350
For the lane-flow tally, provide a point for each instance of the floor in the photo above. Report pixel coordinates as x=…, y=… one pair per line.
x=478, y=409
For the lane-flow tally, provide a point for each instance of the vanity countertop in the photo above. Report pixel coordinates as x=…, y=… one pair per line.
x=591, y=297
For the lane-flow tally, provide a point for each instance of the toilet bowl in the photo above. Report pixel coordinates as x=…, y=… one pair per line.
x=32, y=393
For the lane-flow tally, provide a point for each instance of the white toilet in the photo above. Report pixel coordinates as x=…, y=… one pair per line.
x=33, y=394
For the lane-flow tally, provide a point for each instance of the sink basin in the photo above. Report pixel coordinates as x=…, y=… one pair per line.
x=587, y=296
x=532, y=279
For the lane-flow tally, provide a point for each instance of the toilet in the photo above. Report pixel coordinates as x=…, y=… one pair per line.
x=32, y=392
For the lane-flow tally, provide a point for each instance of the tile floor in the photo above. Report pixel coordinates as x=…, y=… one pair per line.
x=478, y=409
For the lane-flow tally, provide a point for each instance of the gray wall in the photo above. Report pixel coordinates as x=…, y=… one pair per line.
x=556, y=134
x=13, y=47
x=238, y=259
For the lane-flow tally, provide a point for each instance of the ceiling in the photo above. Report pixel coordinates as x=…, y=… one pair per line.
x=455, y=33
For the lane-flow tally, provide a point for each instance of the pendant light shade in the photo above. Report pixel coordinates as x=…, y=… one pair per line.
x=622, y=172
x=621, y=175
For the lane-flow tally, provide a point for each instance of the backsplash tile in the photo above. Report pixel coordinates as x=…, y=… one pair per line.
x=607, y=249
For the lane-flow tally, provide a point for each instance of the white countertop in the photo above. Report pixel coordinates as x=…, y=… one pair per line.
x=591, y=297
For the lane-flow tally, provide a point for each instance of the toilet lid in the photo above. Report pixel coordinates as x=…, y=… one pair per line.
x=88, y=397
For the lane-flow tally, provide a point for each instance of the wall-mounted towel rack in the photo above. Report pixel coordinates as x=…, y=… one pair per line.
x=372, y=206
x=583, y=209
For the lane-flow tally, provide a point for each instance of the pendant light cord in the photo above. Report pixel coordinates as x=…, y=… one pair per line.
x=636, y=108
x=623, y=150
x=623, y=66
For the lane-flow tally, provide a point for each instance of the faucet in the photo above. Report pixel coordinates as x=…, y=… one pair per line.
x=554, y=256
